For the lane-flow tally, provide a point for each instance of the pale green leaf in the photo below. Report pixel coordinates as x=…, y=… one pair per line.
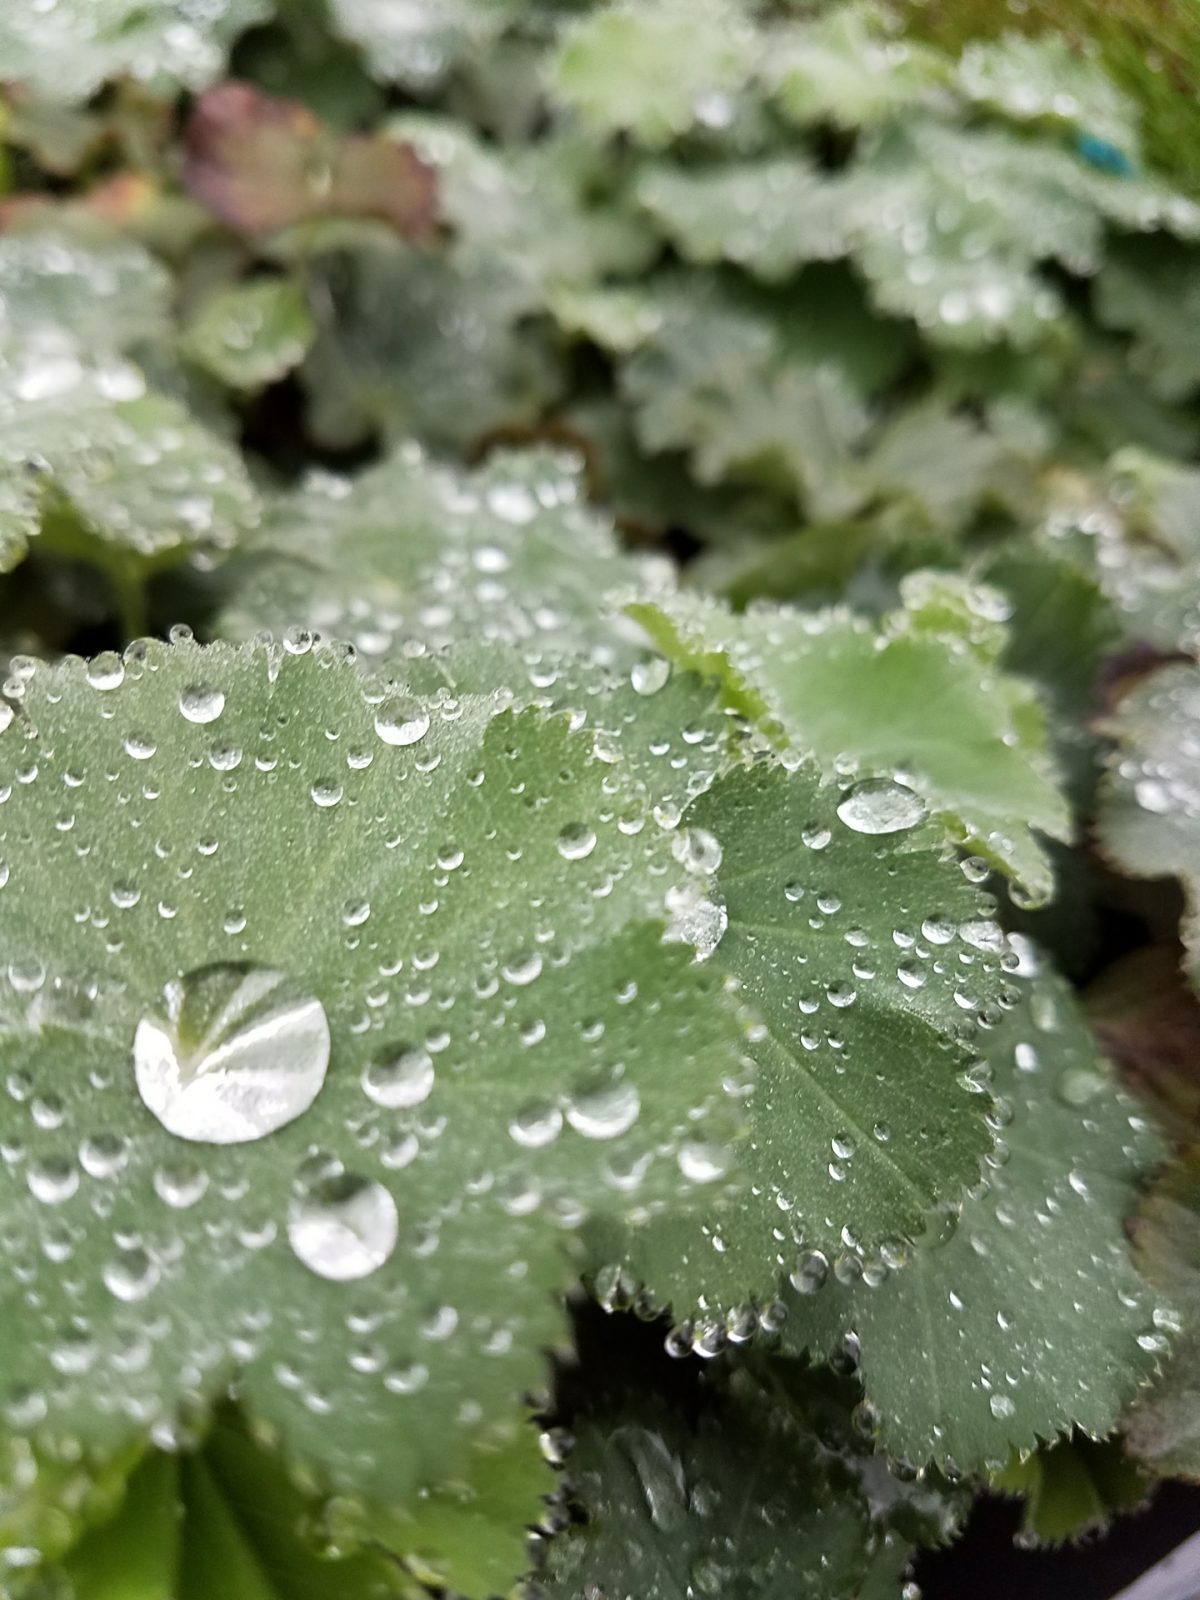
x=411, y=551
x=251, y=334
x=61, y=290
x=656, y=69
x=480, y=894
x=69, y=49
x=1046, y=79
x=417, y=42
x=768, y=215
x=763, y=390
x=121, y=478
x=949, y=225
x=844, y=68
x=1149, y=817
x=920, y=703
x=1024, y=1316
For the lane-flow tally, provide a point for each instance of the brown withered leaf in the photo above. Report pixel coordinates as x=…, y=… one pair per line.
x=1147, y=1019
x=262, y=164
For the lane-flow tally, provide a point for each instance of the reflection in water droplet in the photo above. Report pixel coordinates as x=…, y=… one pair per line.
x=605, y=1113
x=648, y=677
x=343, y=1227
x=401, y=720
x=399, y=1078
x=201, y=703
x=881, y=806
x=240, y=1052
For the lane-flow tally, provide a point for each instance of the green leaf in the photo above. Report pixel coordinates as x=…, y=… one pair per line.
x=738, y=1502
x=552, y=210
x=62, y=290
x=416, y=44
x=127, y=483
x=91, y=462
x=764, y=390
x=860, y=700
x=426, y=343
x=1048, y=80
x=656, y=69
x=844, y=68
x=768, y=215
x=412, y=551
x=1024, y=1316
x=251, y=334
x=67, y=51
x=861, y=1116
x=1072, y=1487
x=470, y=902
x=1150, y=288
x=1149, y=817
x=950, y=224
x=220, y=1519
x=1163, y=1427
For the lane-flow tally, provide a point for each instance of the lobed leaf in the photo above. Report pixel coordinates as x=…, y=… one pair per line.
x=1024, y=1316
x=470, y=907
x=863, y=702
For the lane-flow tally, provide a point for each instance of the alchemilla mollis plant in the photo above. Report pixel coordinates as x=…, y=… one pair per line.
x=599, y=793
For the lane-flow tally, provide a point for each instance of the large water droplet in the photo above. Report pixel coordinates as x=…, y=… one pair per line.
x=605, y=1112
x=343, y=1226
x=240, y=1052
x=202, y=703
x=881, y=806
x=401, y=720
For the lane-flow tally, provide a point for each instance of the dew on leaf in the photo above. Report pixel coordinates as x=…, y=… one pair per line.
x=881, y=806
x=237, y=1052
x=605, y=1113
x=401, y=720
x=201, y=703
x=343, y=1226
x=399, y=1078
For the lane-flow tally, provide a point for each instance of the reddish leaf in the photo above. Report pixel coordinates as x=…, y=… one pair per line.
x=1147, y=1019
x=261, y=164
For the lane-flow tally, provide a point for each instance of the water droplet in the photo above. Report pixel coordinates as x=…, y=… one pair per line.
x=576, y=841
x=881, y=806
x=1001, y=1406
x=401, y=720
x=399, y=1078
x=106, y=671
x=201, y=703
x=240, y=1052
x=343, y=1227
x=648, y=677
x=605, y=1113
x=697, y=850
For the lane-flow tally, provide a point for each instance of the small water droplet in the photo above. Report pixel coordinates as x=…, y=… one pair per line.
x=399, y=1078
x=240, y=1052
x=343, y=1226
